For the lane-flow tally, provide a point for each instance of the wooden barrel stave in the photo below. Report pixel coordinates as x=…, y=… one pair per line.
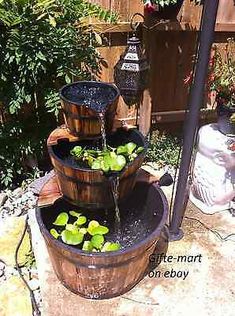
x=106, y=275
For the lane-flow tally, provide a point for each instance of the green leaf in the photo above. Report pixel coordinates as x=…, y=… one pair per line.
x=139, y=150
x=108, y=246
x=76, y=151
x=93, y=224
x=98, y=38
x=81, y=220
x=104, y=166
x=87, y=246
x=83, y=230
x=72, y=239
x=54, y=233
x=97, y=241
x=67, y=79
x=62, y=219
x=52, y=21
x=119, y=163
x=41, y=56
x=72, y=228
x=28, y=98
x=130, y=147
x=121, y=150
x=96, y=165
x=100, y=230
x=74, y=213
x=115, y=162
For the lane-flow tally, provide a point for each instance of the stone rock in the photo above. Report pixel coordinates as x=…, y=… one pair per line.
x=11, y=229
x=17, y=192
x=14, y=298
x=3, y=198
x=17, y=212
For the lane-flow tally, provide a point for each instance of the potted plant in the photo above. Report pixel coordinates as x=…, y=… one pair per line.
x=221, y=80
x=221, y=84
x=163, y=9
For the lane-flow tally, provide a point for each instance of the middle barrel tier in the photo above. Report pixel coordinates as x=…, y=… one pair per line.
x=93, y=189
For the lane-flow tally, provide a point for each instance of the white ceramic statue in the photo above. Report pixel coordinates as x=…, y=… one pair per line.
x=213, y=176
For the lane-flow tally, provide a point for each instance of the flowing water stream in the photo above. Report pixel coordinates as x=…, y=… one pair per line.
x=115, y=191
x=115, y=181
x=102, y=128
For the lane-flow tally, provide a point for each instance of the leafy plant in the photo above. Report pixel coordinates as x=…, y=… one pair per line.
x=43, y=45
x=221, y=74
x=107, y=160
x=163, y=149
x=20, y=143
x=161, y=3
x=73, y=232
x=221, y=77
x=153, y=5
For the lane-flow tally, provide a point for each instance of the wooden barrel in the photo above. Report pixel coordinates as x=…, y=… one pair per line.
x=109, y=274
x=92, y=188
x=82, y=101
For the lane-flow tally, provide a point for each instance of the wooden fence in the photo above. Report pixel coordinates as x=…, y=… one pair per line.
x=170, y=45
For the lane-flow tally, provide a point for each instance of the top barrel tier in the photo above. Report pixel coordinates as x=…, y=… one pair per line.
x=82, y=104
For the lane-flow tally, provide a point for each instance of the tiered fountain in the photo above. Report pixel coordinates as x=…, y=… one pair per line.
x=135, y=211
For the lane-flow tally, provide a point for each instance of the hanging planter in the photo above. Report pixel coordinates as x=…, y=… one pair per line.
x=163, y=9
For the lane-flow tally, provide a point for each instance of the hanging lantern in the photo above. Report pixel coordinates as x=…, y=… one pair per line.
x=131, y=72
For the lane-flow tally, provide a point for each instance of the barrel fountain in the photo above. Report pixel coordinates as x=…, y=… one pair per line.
x=105, y=192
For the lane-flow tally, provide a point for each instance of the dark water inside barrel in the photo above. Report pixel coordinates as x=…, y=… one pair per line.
x=93, y=95
x=140, y=215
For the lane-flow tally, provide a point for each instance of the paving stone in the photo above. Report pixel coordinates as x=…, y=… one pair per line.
x=11, y=229
x=14, y=298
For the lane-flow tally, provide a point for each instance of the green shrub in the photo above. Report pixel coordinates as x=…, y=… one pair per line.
x=163, y=149
x=43, y=45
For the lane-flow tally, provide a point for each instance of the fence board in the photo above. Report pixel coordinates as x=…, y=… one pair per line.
x=170, y=48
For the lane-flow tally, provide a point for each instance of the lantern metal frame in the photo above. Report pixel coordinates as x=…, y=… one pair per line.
x=131, y=71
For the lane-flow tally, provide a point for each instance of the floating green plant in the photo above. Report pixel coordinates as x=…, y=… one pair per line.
x=109, y=159
x=90, y=238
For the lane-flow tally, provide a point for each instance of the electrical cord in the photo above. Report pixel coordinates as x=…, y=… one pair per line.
x=215, y=232
x=36, y=310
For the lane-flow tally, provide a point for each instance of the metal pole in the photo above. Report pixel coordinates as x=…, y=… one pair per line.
x=191, y=123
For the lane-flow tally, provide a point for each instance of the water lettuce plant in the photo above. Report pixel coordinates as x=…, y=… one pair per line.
x=72, y=229
x=108, y=160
